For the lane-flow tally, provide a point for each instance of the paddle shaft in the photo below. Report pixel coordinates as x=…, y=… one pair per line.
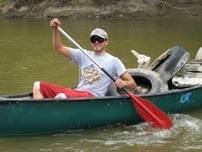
x=82, y=50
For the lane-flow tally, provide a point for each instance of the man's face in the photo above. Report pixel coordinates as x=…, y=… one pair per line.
x=98, y=43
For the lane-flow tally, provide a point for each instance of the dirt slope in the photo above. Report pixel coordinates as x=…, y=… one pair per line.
x=126, y=9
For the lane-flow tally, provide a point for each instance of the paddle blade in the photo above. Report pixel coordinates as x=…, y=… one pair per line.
x=150, y=113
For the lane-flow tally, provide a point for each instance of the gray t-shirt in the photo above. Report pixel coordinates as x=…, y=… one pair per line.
x=91, y=78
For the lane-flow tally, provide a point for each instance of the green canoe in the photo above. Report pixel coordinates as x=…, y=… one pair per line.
x=21, y=115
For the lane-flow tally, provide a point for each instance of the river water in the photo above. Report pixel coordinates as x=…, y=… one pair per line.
x=27, y=55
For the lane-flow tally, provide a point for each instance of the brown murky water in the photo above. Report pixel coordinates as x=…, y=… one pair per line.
x=26, y=55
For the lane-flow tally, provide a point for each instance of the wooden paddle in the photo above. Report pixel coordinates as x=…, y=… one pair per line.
x=147, y=110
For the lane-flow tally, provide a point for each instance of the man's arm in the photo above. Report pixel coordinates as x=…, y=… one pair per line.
x=126, y=80
x=57, y=41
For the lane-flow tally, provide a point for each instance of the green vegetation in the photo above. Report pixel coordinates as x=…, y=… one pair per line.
x=3, y=1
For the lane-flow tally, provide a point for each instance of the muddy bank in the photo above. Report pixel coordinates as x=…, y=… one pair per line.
x=112, y=9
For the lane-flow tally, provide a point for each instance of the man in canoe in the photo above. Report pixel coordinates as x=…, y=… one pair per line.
x=93, y=81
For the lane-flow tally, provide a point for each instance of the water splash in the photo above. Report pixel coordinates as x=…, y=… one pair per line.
x=187, y=132
x=185, y=128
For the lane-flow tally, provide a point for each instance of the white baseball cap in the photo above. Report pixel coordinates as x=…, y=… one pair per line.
x=99, y=32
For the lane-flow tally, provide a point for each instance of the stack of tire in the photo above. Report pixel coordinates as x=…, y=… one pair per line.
x=157, y=77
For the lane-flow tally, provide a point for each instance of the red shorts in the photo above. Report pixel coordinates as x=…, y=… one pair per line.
x=49, y=90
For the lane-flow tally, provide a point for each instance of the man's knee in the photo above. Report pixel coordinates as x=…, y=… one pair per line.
x=60, y=96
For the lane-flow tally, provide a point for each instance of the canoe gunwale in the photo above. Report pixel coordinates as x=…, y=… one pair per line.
x=16, y=98
x=11, y=99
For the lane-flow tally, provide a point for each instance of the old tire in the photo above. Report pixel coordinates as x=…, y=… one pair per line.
x=170, y=62
x=149, y=80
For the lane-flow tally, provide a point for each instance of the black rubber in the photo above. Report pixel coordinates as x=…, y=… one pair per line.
x=148, y=79
x=170, y=62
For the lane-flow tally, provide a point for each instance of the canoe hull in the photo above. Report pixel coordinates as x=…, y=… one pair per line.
x=49, y=116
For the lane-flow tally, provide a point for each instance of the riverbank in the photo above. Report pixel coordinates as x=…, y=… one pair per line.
x=111, y=9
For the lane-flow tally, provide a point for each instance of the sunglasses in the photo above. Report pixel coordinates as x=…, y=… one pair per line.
x=95, y=38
